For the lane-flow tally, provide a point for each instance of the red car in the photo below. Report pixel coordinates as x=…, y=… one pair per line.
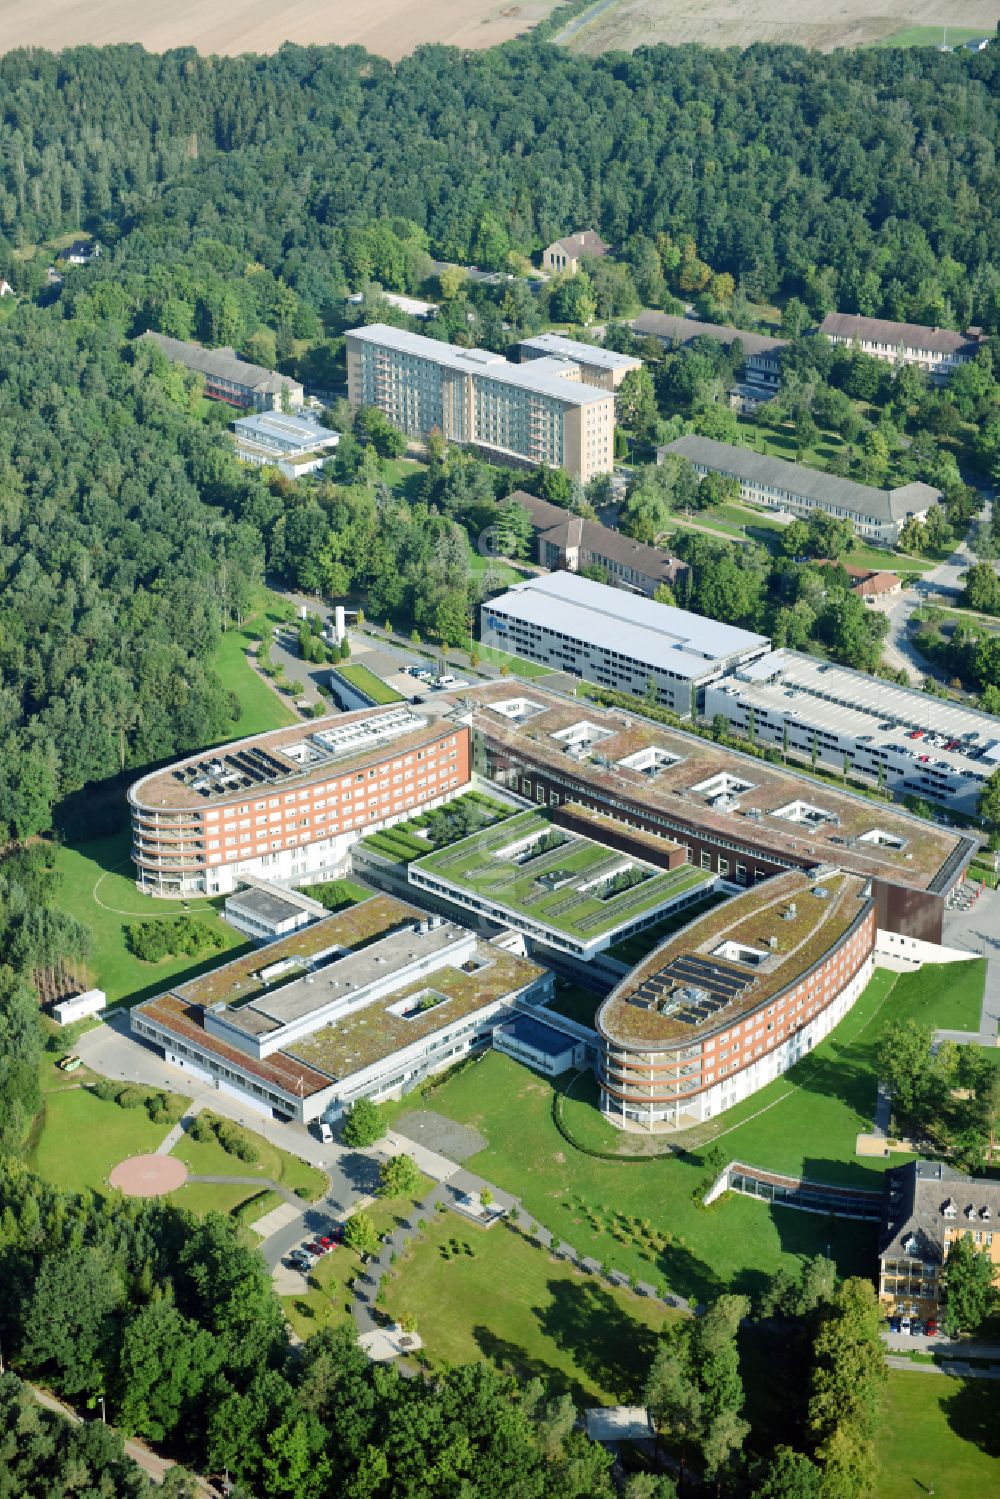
x=326, y=1243
x=932, y=1327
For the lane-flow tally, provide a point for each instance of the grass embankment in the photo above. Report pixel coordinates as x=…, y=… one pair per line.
x=208, y=1158
x=261, y=707
x=498, y=1297
x=640, y=1215
x=98, y=888
x=517, y=665
x=327, y=1301
x=364, y=680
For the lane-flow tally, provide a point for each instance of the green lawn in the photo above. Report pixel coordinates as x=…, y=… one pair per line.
x=640, y=1214
x=261, y=708
x=80, y=1138
x=938, y=1435
x=336, y=894
x=931, y=36
x=511, y=1303
x=98, y=888
x=479, y=564
x=209, y=1197
x=404, y=475
x=273, y=1163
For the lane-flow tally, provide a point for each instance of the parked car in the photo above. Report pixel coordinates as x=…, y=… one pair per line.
x=300, y=1260
x=916, y=1328
x=326, y=1243
x=894, y=1324
x=904, y=1324
x=932, y=1327
x=325, y=1132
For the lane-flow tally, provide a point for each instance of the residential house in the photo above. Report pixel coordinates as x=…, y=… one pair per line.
x=564, y=541
x=566, y=254
x=926, y=1206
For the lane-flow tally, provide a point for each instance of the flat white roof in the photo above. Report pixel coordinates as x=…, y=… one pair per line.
x=655, y=634
x=867, y=708
x=571, y=348
x=481, y=363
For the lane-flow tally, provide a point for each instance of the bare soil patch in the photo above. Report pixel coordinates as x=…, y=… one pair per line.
x=822, y=24
x=391, y=28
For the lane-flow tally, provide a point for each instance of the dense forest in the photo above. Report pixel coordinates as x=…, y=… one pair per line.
x=863, y=180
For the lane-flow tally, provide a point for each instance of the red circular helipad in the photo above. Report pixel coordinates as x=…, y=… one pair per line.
x=149, y=1175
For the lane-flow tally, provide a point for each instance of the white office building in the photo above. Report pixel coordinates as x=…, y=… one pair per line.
x=616, y=639
x=910, y=741
x=538, y=413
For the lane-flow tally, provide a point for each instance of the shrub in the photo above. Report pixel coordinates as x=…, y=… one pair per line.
x=152, y=941
x=131, y=1098
x=234, y=1141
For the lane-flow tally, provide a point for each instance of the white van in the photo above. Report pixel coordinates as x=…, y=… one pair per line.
x=325, y=1132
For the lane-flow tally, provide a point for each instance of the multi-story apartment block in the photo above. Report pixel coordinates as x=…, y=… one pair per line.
x=601, y=367
x=937, y=351
x=735, y=999
x=232, y=379
x=288, y=805
x=566, y=254
x=903, y=739
x=617, y=639
x=761, y=353
x=926, y=1206
x=876, y=514
x=564, y=540
x=537, y=413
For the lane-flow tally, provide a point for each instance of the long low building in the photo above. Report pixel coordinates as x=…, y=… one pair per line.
x=936, y=351
x=561, y=889
x=876, y=514
x=616, y=639
x=909, y=741
x=229, y=378
x=598, y=366
x=362, y=1004
x=287, y=805
x=735, y=999
x=533, y=414
x=761, y=353
x=742, y=818
x=567, y=541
